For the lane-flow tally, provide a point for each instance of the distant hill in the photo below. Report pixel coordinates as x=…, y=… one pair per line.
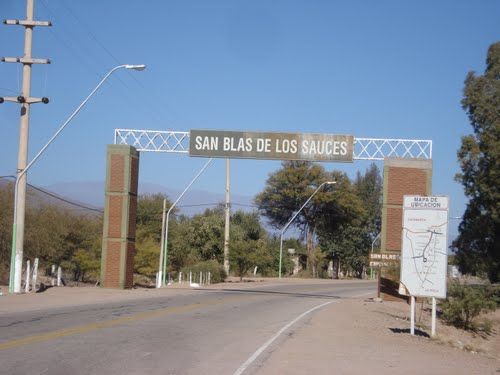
x=38, y=196
x=193, y=202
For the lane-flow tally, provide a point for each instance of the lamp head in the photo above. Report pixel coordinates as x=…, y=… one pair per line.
x=136, y=67
x=331, y=182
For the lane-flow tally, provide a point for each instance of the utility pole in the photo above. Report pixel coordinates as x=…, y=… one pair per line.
x=25, y=100
x=227, y=214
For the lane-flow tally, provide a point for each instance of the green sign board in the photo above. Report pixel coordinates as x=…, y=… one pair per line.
x=268, y=145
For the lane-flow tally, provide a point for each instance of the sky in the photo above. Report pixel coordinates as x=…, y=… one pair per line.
x=382, y=69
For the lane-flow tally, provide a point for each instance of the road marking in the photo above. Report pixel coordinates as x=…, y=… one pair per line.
x=113, y=322
x=259, y=351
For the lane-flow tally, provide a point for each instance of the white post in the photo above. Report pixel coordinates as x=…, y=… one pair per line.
x=162, y=243
x=190, y=277
x=433, y=329
x=28, y=274
x=201, y=278
x=59, y=274
x=209, y=277
x=412, y=316
x=35, y=275
x=52, y=272
x=180, y=277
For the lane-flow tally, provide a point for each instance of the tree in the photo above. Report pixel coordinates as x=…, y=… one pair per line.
x=247, y=247
x=197, y=239
x=477, y=246
x=343, y=232
x=369, y=188
x=286, y=191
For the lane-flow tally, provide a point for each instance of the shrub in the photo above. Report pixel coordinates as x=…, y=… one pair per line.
x=217, y=273
x=465, y=303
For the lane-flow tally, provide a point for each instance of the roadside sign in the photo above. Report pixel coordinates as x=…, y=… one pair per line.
x=383, y=259
x=268, y=145
x=424, y=255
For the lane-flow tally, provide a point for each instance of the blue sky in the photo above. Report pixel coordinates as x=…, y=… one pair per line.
x=388, y=69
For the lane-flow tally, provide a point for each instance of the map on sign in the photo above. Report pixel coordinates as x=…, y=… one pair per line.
x=424, y=254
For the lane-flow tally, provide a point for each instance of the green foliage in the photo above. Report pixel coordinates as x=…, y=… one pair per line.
x=465, y=303
x=149, y=216
x=477, y=247
x=84, y=265
x=247, y=247
x=287, y=190
x=147, y=257
x=217, y=273
x=369, y=188
x=53, y=234
x=197, y=239
x=346, y=228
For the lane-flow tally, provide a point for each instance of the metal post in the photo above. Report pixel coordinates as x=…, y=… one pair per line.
x=165, y=248
x=293, y=218
x=227, y=214
x=162, y=242
x=433, y=324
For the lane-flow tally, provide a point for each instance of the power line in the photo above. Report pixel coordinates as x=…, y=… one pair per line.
x=55, y=196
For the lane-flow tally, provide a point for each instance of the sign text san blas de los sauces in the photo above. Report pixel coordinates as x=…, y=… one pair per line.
x=279, y=146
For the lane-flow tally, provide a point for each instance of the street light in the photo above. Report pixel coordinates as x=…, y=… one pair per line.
x=16, y=260
x=293, y=218
x=162, y=271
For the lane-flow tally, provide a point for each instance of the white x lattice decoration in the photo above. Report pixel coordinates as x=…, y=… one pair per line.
x=364, y=148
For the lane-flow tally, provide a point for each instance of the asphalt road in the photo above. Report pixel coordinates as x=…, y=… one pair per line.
x=199, y=332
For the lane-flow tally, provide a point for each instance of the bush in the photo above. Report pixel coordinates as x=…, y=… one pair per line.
x=465, y=303
x=217, y=273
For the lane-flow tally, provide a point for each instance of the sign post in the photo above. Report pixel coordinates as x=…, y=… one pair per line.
x=424, y=255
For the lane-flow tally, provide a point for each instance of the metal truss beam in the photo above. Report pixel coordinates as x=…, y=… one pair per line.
x=364, y=148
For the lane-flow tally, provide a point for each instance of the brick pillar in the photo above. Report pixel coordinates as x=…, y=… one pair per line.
x=118, y=239
x=401, y=177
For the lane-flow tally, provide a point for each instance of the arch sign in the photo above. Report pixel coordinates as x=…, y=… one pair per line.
x=270, y=145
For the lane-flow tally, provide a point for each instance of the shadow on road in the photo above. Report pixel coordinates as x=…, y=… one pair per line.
x=264, y=292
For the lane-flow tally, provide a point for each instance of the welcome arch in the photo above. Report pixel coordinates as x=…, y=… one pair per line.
x=407, y=171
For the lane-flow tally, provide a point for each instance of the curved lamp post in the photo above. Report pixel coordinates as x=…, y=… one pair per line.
x=16, y=260
x=162, y=271
x=293, y=218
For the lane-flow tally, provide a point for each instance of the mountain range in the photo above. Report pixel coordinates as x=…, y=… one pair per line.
x=193, y=202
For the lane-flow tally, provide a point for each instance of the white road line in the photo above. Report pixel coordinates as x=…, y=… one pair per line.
x=259, y=351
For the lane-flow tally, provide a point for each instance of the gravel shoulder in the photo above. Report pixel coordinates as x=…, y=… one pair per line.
x=360, y=336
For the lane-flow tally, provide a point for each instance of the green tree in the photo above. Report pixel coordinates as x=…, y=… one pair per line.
x=343, y=231
x=200, y=238
x=369, y=187
x=477, y=246
x=287, y=190
x=247, y=247
x=148, y=232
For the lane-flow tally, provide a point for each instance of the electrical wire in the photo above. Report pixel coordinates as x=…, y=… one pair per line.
x=55, y=196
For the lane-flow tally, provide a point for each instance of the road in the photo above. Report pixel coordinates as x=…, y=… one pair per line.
x=205, y=331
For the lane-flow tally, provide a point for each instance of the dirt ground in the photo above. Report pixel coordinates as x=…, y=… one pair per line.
x=362, y=336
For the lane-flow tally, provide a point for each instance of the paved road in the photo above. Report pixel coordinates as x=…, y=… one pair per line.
x=198, y=332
